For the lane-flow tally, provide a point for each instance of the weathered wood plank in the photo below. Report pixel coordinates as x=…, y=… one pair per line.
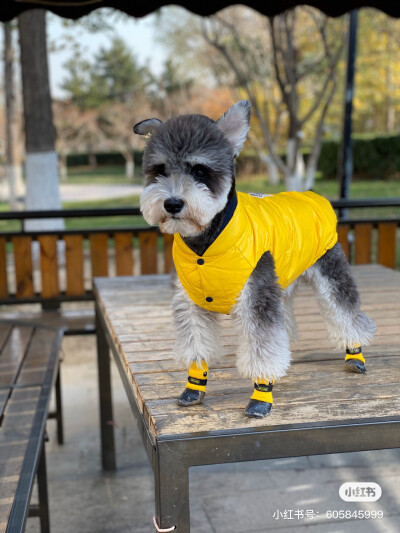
x=363, y=243
x=13, y=352
x=148, y=252
x=3, y=268
x=343, y=238
x=4, y=332
x=227, y=413
x=74, y=265
x=99, y=254
x=14, y=435
x=22, y=247
x=49, y=266
x=36, y=361
x=123, y=253
x=4, y=394
x=387, y=244
x=287, y=388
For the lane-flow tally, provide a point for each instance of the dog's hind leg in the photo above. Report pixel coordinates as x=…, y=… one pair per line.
x=197, y=341
x=290, y=319
x=349, y=328
x=264, y=352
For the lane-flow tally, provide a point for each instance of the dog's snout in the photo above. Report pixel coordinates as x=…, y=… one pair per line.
x=173, y=205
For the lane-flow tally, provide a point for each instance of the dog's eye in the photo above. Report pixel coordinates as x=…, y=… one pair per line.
x=159, y=170
x=199, y=172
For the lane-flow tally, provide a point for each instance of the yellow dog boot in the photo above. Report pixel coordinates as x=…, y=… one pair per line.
x=196, y=385
x=354, y=360
x=261, y=400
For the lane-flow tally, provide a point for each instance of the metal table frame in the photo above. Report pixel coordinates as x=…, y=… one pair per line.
x=171, y=456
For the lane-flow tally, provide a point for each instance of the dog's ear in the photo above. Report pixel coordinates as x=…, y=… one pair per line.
x=147, y=127
x=235, y=124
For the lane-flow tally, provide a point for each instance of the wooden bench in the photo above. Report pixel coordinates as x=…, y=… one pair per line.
x=29, y=369
x=319, y=408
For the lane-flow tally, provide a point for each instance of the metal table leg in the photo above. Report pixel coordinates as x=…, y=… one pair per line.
x=171, y=490
x=105, y=397
x=42, y=491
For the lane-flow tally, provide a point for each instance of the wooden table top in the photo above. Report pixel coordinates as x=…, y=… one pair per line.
x=317, y=389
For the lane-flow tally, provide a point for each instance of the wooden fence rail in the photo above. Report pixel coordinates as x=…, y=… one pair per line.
x=56, y=266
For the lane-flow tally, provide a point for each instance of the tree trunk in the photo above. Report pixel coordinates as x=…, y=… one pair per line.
x=11, y=157
x=295, y=165
x=92, y=159
x=42, y=190
x=62, y=166
x=129, y=165
x=310, y=177
x=273, y=174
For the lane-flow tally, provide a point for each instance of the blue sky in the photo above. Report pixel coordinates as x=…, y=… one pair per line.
x=139, y=34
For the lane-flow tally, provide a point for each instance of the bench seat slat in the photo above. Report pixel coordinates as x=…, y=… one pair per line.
x=99, y=254
x=37, y=360
x=74, y=264
x=343, y=238
x=49, y=266
x=3, y=269
x=15, y=431
x=387, y=244
x=123, y=254
x=148, y=252
x=13, y=353
x=4, y=332
x=363, y=243
x=4, y=394
x=22, y=247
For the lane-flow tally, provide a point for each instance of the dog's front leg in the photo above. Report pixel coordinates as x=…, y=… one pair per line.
x=264, y=352
x=197, y=340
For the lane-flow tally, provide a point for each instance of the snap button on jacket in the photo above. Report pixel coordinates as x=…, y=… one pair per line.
x=297, y=228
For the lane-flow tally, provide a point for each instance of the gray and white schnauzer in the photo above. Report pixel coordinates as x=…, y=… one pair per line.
x=243, y=255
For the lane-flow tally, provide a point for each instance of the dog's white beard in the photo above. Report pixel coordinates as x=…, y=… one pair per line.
x=199, y=209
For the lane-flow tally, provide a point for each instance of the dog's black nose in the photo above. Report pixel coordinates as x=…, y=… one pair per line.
x=173, y=205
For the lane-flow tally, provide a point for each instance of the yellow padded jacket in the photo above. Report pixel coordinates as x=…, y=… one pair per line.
x=297, y=228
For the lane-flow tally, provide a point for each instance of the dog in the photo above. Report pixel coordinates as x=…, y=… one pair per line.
x=242, y=255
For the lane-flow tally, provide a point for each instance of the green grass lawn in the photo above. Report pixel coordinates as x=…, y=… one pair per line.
x=107, y=175
x=330, y=189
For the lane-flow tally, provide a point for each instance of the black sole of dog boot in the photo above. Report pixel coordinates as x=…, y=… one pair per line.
x=191, y=397
x=355, y=365
x=257, y=409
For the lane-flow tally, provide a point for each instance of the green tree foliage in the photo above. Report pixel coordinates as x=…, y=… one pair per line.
x=113, y=75
x=170, y=92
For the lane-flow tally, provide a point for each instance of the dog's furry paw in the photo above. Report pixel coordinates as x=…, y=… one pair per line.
x=257, y=409
x=191, y=397
x=355, y=365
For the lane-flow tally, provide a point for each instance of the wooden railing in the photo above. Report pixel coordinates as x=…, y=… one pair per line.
x=61, y=266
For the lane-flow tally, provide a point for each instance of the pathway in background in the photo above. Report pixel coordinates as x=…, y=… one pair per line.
x=80, y=192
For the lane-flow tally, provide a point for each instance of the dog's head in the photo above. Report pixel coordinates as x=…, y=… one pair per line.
x=189, y=165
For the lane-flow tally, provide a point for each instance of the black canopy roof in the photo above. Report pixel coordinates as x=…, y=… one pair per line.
x=74, y=9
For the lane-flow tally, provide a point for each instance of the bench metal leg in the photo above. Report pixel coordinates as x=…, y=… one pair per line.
x=171, y=491
x=60, y=428
x=105, y=397
x=42, y=490
x=57, y=414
